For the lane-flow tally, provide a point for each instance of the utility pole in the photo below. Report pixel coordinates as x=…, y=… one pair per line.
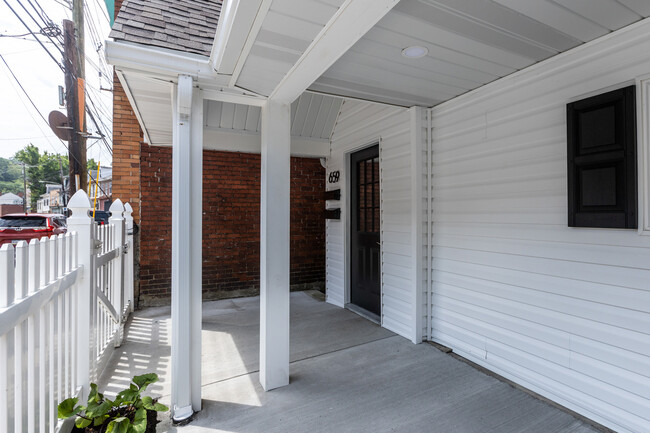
x=74, y=63
x=63, y=188
x=24, y=190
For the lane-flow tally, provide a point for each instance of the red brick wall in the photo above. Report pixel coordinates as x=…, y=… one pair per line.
x=127, y=138
x=10, y=208
x=231, y=207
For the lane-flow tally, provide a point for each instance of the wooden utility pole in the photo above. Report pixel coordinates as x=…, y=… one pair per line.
x=74, y=63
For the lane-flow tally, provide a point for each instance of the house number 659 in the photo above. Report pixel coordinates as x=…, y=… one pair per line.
x=334, y=176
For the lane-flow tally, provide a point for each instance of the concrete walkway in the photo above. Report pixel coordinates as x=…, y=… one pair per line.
x=347, y=375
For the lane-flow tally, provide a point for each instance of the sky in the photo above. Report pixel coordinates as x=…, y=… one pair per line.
x=20, y=123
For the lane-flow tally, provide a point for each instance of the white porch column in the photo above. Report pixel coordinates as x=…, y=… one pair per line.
x=187, y=172
x=274, y=245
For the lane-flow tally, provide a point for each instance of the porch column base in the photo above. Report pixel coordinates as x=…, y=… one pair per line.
x=182, y=413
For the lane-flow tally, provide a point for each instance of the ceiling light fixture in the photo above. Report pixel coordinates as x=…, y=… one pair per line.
x=415, y=52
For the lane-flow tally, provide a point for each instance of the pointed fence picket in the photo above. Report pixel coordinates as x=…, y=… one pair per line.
x=63, y=304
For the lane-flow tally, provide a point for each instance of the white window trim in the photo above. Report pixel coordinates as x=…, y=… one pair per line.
x=643, y=150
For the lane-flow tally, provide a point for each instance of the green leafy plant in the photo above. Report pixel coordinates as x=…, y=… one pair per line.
x=126, y=414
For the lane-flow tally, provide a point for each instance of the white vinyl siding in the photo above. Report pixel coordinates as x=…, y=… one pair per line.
x=360, y=125
x=563, y=311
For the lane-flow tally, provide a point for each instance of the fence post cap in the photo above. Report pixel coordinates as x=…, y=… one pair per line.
x=127, y=207
x=117, y=206
x=79, y=200
x=79, y=205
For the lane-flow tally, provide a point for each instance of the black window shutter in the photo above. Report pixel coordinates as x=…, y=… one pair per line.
x=601, y=150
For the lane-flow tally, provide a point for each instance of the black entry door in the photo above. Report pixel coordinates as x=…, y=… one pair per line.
x=364, y=254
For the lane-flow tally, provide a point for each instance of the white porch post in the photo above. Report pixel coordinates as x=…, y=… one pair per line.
x=274, y=245
x=187, y=167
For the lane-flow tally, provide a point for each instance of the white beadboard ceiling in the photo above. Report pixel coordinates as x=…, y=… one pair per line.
x=470, y=42
x=286, y=32
x=312, y=116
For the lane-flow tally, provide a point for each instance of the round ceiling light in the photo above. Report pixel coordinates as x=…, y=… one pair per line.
x=415, y=52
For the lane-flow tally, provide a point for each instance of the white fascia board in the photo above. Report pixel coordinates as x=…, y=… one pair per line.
x=236, y=22
x=161, y=62
x=351, y=21
x=134, y=104
x=236, y=141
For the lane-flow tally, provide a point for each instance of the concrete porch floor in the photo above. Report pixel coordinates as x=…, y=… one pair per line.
x=347, y=375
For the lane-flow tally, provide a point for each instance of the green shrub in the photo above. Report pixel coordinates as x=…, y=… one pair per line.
x=126, y=414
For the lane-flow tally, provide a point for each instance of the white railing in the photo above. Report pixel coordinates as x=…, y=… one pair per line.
x=63, y=304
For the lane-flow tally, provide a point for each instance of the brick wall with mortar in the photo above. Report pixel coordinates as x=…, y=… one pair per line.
x=231, y=209
x=127, y=138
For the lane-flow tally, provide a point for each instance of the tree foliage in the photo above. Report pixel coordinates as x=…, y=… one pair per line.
x=41, y=169
x=11, y=176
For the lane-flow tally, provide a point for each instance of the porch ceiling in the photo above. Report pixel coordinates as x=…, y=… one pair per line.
x=470, y=43
x=230, y=126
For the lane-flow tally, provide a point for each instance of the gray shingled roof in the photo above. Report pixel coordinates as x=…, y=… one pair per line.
x=184, y=25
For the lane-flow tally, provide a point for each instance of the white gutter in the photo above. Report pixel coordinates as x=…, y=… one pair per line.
x=165, y=64
x=161, y=62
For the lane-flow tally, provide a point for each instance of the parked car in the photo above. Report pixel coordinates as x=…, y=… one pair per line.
x=102, y=217
x=25, y=227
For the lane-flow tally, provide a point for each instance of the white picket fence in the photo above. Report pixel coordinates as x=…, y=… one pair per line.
x=63, y=304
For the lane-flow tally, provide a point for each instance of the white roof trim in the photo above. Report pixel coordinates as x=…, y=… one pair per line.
x=167, y=65
x=237, y=29
x=351, y=21
x=134, y=104
x=161, y=62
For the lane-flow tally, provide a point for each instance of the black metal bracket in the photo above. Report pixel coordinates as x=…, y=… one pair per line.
x=334, y=194
x=333, y=214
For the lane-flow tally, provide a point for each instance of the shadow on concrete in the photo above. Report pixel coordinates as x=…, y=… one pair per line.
x=347, y=375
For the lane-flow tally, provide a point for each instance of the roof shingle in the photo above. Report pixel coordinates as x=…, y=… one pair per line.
x=184, y=25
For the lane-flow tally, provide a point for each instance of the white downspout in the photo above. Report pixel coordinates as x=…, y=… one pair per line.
x=429, y=226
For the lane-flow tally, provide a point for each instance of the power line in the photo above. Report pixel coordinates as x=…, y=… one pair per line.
x=49, y=29
x=30, y=100
x=30, y=31
x=40, y=114
x=14, y=36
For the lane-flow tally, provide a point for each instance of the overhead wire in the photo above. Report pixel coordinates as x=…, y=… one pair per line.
x=46, y=24
x=32, y=102
x=42, y=117
x=30, y=31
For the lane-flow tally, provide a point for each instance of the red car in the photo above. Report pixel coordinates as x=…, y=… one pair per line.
x=18, y=227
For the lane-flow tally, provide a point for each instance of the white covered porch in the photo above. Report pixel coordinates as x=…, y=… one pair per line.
x=475, y=248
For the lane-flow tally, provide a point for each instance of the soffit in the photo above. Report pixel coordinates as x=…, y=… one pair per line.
x=312, y=116
x=470, y=43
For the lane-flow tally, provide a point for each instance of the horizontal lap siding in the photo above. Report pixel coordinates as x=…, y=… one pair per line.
x=563, y=311
x=360, y=125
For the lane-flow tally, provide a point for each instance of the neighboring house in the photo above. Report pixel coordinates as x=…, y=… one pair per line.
x=52, y=200
x=10, y=203
x=102, y=193
x=43, y=203
x=487, y=173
